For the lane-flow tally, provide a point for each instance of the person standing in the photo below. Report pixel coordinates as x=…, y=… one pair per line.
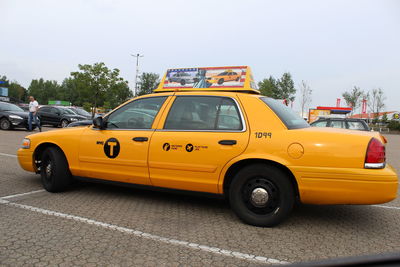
x=33, y=108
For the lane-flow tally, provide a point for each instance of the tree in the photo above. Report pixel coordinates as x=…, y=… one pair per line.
x=353, y=97
x=43, y=90
x=269, y=87
x=15, y=90
x=96, y=82
x=305, y=96
x=282, y=88
x=376, y=100
x=148, y=82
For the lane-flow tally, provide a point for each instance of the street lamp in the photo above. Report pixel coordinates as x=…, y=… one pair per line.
x=137, y=56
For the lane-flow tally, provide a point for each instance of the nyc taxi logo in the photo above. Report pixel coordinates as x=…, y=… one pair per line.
x=111, y=148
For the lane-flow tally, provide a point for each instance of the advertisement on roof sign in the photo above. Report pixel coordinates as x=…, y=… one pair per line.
x=205, y=77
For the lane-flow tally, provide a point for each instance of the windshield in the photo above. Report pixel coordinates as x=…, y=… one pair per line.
x=80, y=111
x=286, y=114
x=67, y=111
x=9, y=107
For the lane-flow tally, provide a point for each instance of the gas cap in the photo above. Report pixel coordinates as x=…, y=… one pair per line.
x=295, y=150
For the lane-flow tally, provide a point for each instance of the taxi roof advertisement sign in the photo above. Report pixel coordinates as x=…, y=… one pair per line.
x=208, y=78
x=205, y=77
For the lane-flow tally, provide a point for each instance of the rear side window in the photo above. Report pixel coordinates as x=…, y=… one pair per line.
x=203, y=113
x=291, y=119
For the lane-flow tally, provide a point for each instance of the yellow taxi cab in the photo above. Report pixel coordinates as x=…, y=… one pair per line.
x=230, y=141
x=226, y=76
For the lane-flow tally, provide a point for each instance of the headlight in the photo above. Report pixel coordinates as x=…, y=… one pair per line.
x=74, y=119
x=16, y=117
x=26, y=143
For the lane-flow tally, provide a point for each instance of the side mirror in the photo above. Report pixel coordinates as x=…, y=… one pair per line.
x=98, y=123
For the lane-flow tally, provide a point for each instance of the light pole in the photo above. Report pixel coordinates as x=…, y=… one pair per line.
x=137, y=56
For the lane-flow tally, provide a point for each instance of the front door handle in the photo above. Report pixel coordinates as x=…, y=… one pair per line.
x=140, y=139
x=227, y=142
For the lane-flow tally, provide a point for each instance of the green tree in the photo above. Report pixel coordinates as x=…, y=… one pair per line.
x=94, y=83
x=282, y=88
x=44, y=90
x=148, y=82
x=353, y=98
x=269, y=87
x=286, y=87
x=15, y=90
x=384, y=118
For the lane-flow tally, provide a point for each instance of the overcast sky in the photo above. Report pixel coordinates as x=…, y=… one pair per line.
x=333, y=45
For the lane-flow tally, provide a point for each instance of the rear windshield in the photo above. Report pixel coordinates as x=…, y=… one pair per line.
x=286, y=114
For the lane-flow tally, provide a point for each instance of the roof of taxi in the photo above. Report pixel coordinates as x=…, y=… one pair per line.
x=230, y=78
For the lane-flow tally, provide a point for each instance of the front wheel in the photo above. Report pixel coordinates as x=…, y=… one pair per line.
x=5, y=124
x=54, y=170
x=64, y=123
x=261, y=195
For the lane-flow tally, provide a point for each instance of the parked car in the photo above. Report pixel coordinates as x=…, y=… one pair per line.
x=12, y=116
x=58, y=116
x=344, y=123
x=81, y=112
x=80, y=123
x=182, y=78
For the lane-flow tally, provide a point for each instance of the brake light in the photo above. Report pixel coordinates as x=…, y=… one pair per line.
x=375, y=157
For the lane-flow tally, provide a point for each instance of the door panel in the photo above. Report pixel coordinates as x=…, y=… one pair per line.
x=120, y=159
x=188, y=153
x=120, y=151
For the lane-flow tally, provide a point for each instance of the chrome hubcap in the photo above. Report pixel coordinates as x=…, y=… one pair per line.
x=259, y=197
x=48, y=169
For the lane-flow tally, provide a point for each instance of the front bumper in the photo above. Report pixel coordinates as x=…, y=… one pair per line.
x=26, y=160
x=346, y=186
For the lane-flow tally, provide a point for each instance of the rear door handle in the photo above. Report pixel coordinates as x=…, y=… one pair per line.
x=140, y=139
x=227, y=142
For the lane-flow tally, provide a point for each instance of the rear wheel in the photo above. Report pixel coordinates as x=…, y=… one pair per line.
x=221, y=81
x=261, y=195
x=54, y=170
x=183, y=82
x=5, y=124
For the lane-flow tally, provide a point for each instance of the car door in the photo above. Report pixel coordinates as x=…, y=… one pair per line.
x=55, y=116
x=119, y=151
x=197, y=137
x=44, y=115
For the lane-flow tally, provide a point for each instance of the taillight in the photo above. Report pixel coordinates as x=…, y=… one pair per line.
x=376, y=156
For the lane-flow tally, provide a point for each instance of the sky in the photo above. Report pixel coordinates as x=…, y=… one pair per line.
x=332, y=45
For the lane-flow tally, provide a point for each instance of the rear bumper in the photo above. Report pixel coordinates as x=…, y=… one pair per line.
x=346, y=186
x=25, y=159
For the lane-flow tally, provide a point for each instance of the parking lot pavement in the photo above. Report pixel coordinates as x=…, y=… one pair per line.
x=96, y=224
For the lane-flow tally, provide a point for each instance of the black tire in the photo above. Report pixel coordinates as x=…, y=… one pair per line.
x=54, y=170
x=278, y=203
x=183, y=82
x=64, y=123
x=221, y=81
x=237, y=79
x=5, y=124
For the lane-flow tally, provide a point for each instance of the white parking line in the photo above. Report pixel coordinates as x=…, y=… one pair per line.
x=8, y=155
x=22, y=194
x=387, y=207
x=170, y=241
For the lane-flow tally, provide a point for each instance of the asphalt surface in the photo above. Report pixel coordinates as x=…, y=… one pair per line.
x=96, y=224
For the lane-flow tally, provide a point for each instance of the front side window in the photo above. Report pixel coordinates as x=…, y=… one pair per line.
x=138, y=114
x=319, y=124
x=336, y=124
x=356, y=125
x=204, y=113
